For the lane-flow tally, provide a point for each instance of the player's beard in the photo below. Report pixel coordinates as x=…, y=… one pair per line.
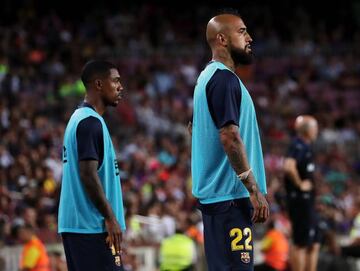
x=111, y=101
x=240, y=56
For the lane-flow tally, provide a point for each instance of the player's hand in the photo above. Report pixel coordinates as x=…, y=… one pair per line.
x=114, y=237
x=261, y=207
x=189, y=127
x=306, y=186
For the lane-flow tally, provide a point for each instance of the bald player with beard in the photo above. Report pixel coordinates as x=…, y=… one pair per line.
x=299, y=183
x=227, y=163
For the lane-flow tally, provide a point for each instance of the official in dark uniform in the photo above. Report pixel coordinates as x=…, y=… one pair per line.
x=299, y=183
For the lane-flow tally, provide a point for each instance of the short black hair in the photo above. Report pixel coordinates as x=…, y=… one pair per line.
x=94, y=68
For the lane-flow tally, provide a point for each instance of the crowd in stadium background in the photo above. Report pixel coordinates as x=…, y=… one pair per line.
x=307, y=66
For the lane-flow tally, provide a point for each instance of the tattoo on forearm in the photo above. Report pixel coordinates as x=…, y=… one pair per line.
x=235, y=151
x=251, y=185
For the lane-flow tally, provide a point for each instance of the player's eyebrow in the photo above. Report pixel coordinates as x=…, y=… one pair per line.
x=242, y=29
x=117, y=78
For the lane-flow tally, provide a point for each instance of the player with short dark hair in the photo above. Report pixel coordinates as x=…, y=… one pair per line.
x=227, y=162
x=299, y=183
x=91, y=213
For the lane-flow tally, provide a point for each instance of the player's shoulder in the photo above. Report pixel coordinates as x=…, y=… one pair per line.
x=90, y=124
x=223, y=79
x=225, y=76
x=91, y=121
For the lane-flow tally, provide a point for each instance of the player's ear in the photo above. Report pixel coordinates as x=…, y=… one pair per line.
x=221, y=38
x=98, y=83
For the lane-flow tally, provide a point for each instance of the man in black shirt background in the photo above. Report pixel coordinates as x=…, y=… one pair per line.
x=299, y=183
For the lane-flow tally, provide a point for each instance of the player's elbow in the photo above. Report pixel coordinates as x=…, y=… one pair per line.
x=225, y=141
x=229, y=136
x=88, y=172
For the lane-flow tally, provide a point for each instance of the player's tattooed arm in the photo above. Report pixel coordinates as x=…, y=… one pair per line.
x=235, y=150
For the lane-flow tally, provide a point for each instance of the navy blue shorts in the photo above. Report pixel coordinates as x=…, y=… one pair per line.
x=304, y=222
x=228, y=235
x=90, y=252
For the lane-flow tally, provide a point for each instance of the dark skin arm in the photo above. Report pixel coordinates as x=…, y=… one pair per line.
x=235, y=150
x=92, y=185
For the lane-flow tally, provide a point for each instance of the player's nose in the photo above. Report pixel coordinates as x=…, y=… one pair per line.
x=120, y=87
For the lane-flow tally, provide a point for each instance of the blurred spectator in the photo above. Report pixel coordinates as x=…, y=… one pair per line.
x=353, y=248
x=57, y=261
x=34, y=256
x=178, y=251
x=275, y=247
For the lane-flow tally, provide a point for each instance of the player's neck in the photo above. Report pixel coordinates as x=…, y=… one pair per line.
x=223, y=57
x=96, y=104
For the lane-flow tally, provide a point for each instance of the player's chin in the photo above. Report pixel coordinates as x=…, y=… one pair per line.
x=115, y=102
